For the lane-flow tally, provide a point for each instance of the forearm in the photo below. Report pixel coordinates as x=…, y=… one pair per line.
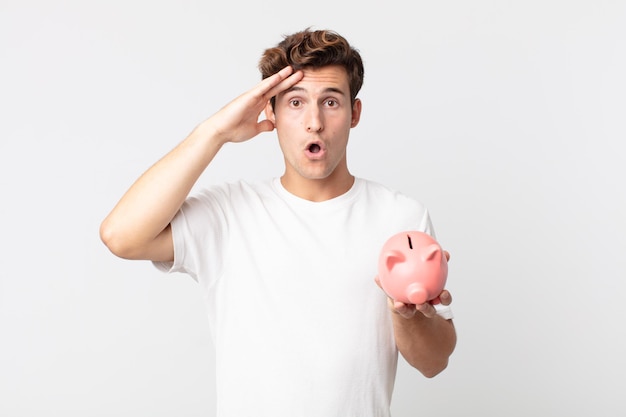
x=425, y=343
x=149, y=205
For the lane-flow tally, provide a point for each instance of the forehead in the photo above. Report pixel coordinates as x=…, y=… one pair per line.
x=332, y=77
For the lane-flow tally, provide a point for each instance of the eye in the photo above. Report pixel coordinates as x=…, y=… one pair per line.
x=295, y=103
x=331, y=102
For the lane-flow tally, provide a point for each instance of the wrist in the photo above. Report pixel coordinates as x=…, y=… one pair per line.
x=207, y=132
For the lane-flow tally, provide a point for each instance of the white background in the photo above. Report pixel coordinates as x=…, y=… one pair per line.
x=507, y=119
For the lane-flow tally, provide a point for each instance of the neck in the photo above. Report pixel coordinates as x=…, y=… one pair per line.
x=318, y=190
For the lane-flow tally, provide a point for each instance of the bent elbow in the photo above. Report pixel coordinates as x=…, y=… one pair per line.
x=116, y=243
x=433, y=370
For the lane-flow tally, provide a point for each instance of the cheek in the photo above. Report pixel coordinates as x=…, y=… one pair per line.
x=285, y=140
x=287, y=125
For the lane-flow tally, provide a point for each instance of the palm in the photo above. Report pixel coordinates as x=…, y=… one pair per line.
x=238, y=121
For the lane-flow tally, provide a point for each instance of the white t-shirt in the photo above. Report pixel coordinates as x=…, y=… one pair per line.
x=299, y=325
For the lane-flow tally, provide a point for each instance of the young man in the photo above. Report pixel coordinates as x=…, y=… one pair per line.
x=287, y=266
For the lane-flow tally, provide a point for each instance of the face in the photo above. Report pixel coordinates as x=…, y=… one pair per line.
x=313, y=121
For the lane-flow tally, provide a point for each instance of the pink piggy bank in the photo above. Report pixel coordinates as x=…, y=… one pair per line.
x=412, y=268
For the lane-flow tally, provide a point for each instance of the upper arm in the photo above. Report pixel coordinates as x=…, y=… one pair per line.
x=159, y=249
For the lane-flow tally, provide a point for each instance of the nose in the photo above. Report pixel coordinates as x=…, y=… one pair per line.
x=314, y=120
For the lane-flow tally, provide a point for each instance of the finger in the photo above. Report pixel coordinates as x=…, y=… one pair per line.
x=282, y=80
x=445, y=297
x=285, y=84
x=263, y=87
x=377, y=280
x=405, y=310
x=274, y=80
x=426, y=309
x=445, y=252
x=265, y=126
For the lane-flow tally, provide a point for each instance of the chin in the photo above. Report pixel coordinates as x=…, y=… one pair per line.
x=317, y=175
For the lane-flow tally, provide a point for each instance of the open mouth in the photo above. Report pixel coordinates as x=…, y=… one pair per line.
x=314, y=148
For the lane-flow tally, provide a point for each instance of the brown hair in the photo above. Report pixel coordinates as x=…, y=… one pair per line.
x=314, y=49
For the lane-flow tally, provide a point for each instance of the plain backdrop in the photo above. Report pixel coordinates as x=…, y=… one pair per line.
x=507, y=119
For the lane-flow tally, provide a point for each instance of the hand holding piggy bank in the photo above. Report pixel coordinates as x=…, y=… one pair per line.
x=412, y=268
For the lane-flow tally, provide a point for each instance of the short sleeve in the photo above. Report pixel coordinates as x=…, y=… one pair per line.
x=198, y=235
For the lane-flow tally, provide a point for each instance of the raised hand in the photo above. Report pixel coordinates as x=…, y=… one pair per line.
x=238, y=121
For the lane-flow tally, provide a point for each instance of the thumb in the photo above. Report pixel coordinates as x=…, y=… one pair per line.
x=377, y=280
x=265, y=126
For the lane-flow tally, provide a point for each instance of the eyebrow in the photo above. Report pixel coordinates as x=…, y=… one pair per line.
x=326, y=90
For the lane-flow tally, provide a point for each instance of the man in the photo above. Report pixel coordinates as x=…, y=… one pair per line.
x=287, y=266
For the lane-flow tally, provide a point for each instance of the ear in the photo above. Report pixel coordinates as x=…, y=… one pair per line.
x=269, y=113
x=356, y=112
x=392, y=258
x=430, y=252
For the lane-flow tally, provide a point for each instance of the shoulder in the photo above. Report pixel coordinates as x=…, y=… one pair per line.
x=231, y=192
x=400, y=211
x=386, y=195
x=220, y=203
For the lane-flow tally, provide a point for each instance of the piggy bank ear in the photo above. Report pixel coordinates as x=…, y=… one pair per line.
x=430, y=252
x=392, y=258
